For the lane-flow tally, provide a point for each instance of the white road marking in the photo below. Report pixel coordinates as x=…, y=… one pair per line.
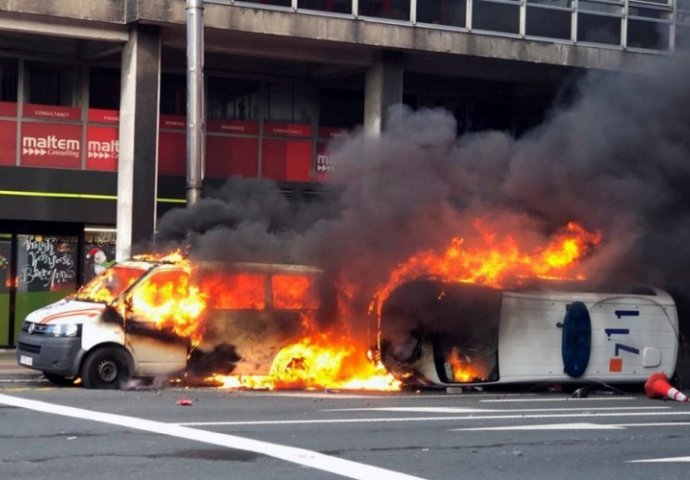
x=434, y=419
x=547, y=426
x=560, y=399
x=661, y=460
x=485, y=410
x=573, y=426
x=300, y=456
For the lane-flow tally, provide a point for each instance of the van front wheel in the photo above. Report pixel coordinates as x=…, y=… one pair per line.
x=107, y=367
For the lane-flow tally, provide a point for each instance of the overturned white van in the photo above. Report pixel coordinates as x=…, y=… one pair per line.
x=447, y=334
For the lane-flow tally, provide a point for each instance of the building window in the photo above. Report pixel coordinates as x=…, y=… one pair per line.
x=442, y=12
x=8, y=80
x=496, y=16
x=173, y=94
x=391, y=9
x=289, y=103
x=279, y=3
x=52, y=84
x=337, y=6
x=233, y=99
x=104, y=88
x=549, y=18
x=341, y=108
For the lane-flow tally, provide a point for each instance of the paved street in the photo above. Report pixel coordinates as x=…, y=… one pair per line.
x=208, y=433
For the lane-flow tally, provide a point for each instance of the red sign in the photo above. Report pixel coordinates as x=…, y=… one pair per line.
x=102, y=148
x=8, y=142
x=8, y=109
x=287, y=160
x=172, y=153
x=332, y=132
x=51, y=145
x=216, y=125
x=287, y=130
x=52, y=111
x=227, y=156
x=98, y=115
x=175, y=122
x=324, y=162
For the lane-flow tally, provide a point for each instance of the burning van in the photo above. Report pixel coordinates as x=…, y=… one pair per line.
x=435, y=333
x=152, y=318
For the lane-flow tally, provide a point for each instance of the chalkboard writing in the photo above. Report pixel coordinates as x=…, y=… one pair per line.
x=46, y=263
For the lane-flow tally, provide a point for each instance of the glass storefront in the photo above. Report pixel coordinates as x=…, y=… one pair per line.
x=37, y=269
x=46, y=272
x=5, y=284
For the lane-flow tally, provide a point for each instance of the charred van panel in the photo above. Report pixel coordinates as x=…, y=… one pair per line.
x=436, y=332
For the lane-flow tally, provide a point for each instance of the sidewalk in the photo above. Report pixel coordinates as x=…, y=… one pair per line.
x=9, y=367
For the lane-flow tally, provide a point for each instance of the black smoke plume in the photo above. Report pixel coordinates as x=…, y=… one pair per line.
x=616, y=158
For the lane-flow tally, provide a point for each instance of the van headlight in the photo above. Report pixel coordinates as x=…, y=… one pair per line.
x=64, y=330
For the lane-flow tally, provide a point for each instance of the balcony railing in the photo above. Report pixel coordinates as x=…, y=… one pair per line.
x=648, y=25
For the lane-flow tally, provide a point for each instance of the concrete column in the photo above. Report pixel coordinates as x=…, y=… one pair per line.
x=383, y=88
x=137, y=178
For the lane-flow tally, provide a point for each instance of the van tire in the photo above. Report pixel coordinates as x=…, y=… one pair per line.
x=106, y=368
x=59, y=379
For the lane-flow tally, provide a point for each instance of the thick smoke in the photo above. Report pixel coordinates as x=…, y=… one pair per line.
x=616, y=159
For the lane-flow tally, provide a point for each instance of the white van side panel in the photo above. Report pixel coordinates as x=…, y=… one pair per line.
x=632, y=336
x=96, y=333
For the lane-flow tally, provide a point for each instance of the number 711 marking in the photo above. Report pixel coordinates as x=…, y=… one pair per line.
x=620, y=346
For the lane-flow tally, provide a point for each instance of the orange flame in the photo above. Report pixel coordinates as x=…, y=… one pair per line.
x=317, y=363
x=498, y=261
x=172, y=302
x=110, y=284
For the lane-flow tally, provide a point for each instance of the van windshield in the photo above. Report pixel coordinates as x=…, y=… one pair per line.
x=107, y=286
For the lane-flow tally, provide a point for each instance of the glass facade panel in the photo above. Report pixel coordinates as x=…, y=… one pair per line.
x=497, y=17
x=279, y=3
x=599, y=29
x=336, y=6
x=99, y=252
x=341, y=108
x=650, y=35
x=614, y=8
x=234, y=99
x=104, y=88
x=551, y=23
x=173, y=94
x=289, y=103
x=52, y=84
x=442, y=12
x=8, y=80
x=46, y=271
x=391, y=9
x=5, y=284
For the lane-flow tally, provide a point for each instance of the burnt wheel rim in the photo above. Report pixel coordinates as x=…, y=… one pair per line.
x=107, y=370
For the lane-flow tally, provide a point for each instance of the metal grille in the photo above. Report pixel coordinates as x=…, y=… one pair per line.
x=28, y=347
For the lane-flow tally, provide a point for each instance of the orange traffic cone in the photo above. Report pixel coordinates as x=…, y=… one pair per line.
x=657, y=386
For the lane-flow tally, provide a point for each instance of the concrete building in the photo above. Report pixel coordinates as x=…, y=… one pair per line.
x=93, y=101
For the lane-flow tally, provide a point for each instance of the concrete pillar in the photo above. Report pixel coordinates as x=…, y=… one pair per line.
x=383, y=88
x=137, y=174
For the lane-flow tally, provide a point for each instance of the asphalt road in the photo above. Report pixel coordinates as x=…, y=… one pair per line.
x=209, y=434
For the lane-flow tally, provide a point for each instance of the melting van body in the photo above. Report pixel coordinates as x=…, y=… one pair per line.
x=142, y=318
x=439, y=334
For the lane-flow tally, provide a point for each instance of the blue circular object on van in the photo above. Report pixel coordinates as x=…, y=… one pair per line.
x=577, y=339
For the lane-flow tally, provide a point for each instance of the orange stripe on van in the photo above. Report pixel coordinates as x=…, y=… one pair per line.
x=87, y=312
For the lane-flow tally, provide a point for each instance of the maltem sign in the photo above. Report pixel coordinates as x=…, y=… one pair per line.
x=51, y=145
